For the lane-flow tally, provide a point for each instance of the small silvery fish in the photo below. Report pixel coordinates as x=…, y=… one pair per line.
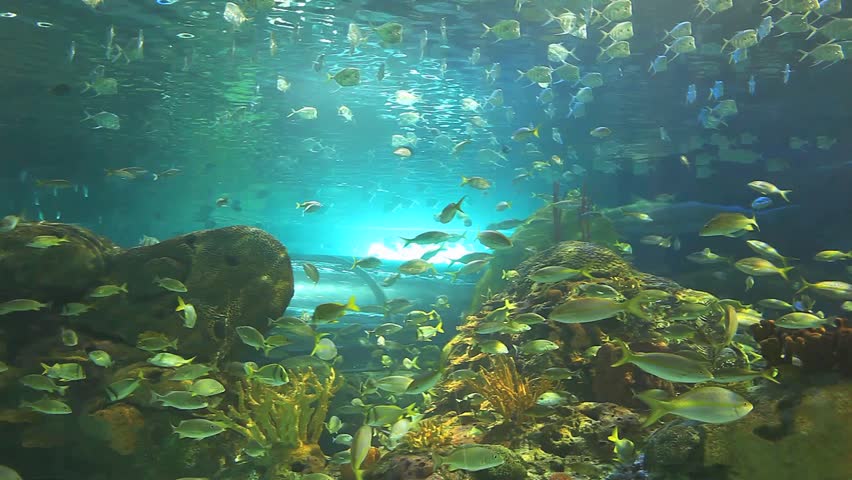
x=667, y=366
x=206, y=387
x=190, y=317
x=47, y=406
x=104, y=291
x=180, y=400
x=123, y=388
x=273, y=375
x=198, y=429
x=705, y=404
x=170, y=284
x=66, y=372
x=69, y=337
x=169, y=360
x=471, y=458
x=190, y=372
x=100, y=358
x=42, y=383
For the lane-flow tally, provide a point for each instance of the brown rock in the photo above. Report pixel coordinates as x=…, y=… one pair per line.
x=62, y=273
x=234, y=276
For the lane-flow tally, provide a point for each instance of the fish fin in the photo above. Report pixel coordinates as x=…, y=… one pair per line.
x=351, y=304
x=614, y=436
x=770, y=374
x=626, y=354
x=658, y=407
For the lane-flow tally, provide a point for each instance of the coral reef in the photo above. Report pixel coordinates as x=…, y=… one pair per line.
x=819, y=349
x=431, y=433
x=582, y=430
x=120, y=425
x=618, y=384
x=286, y=421
x=674, y=451
x=403, y=467
x=507, y=391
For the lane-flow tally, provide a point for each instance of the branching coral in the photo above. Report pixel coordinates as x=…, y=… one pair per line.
x=431, y=433
x=282, y=419
x=507, y=391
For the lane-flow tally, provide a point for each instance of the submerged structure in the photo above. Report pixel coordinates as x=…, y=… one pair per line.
x=627, y=260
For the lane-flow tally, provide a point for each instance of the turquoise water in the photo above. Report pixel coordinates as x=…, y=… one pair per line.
x=146, y=122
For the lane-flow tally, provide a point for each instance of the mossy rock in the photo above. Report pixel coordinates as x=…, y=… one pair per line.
x=805, y=435
x=674, y=450
x=234, y=276
x=59, y=274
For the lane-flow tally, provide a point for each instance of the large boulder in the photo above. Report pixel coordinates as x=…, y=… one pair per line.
x=57, y=274
x=234, y=276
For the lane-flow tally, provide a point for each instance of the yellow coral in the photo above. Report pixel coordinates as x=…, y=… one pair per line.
x=430, y=434
x=507, y=391
x=284, y=419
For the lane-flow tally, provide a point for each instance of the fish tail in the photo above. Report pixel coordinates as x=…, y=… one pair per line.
x=437, y=460
x=440, y=326
x=535, y=131
x=62, y=390
x=181, y=306
x=753, y=220
x=354, y=263
x=658, y=407
x=804, y=55
x=351, y=304
x=614, y=436
x=784, y=193
x=46, y=368
x=770, y=374
x=626, y=354
x=520, y=75
x=459, y=203
x=769, y=7
x=783, y=272
x=407, y=241
x=487, y=29
x=802, y=279
x=668, y=32
x=550, y=17
x=464, y=181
